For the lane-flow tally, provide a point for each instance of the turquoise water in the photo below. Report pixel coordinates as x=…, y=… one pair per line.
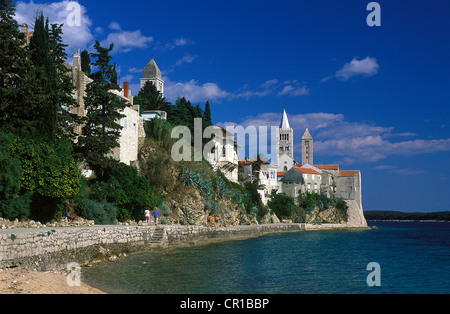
x=414, y=258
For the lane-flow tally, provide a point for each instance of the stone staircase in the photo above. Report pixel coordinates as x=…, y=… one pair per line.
x=156, y=237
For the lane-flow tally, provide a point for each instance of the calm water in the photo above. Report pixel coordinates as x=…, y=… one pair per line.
x=414, y=258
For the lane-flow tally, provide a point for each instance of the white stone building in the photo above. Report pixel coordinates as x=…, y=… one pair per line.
x=224, y=156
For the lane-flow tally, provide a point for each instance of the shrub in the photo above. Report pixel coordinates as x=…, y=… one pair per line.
x=12, y=205
x=103, y=213
x=282, y=205
x=128, y=191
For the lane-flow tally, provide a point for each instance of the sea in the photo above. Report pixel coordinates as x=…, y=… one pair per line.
x=395, y=258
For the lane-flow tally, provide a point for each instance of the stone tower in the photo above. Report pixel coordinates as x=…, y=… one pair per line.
x=153, y=74
x=307, y=149
x=285, y=145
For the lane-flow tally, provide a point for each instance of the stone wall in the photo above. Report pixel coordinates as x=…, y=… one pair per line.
x=53, y=249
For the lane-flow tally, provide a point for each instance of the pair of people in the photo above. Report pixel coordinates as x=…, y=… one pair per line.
x=148, y=215
x=216, y=221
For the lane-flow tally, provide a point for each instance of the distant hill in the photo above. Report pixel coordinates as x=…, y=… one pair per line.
x=395, y=215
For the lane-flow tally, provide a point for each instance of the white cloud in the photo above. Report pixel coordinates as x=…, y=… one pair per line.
x=186, y=59
x=193, y=91
x=273, y=87
x=125, y=41
x=76, y=37
x=115, y=26
x=365, y=67
x=349, y=141
x=178, y=42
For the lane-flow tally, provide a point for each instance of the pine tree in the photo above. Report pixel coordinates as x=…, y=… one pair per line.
x=101, y=131
x=18, y=81
x=149, y=98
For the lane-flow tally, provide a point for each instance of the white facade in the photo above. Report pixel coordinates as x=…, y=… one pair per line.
x=225, y=155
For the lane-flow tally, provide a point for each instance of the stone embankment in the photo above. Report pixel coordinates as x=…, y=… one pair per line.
x=47, y=249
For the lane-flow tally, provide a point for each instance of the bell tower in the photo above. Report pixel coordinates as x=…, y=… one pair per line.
x=285, y=145
x=307, y=149
x=153, y=74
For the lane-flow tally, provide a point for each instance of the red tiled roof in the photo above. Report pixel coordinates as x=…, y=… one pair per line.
x=327, y=167
x=306, y=170
x=281, y=174
x=348, y=173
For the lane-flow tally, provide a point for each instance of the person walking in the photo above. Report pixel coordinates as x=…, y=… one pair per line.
x=147, y=216
x=217, y=221
x=209, y=221
x=156, y=214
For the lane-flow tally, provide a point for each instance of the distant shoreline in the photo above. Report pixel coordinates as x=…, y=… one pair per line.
x=385, y=215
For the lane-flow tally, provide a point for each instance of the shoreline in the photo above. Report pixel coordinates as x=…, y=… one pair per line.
x=25, y=280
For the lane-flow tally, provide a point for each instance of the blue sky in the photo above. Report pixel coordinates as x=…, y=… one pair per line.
x=374, y=98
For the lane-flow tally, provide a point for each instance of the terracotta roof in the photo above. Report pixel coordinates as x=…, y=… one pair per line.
x=348, y=173
x=281, y=174
x=327, y=167
x=306, y=170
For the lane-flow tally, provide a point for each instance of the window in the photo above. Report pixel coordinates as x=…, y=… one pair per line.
x=285, y=168
x=281, y=148
x=287, y=148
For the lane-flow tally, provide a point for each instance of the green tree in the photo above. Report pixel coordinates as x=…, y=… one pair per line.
x=86, y=62
x=207, y=115
x=282, y=205
x=12, y=204
x=101, y=130
x=149, y=98
x=56, y=88
x=128, y=191
x=63, y=96
x=18, y=81
x=46, y=71
x=49, y=174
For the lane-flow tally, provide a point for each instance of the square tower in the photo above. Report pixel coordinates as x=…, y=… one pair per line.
x=285, y=145
x=151, y=73
x=307, y=149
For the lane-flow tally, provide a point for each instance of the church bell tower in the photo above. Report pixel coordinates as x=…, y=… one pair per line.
x=285, y=145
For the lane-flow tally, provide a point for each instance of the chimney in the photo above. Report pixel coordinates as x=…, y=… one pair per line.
x=126, y=89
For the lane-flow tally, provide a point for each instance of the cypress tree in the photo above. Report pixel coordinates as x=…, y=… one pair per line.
x=101, y=130
x=207, y=115
x=86, y=62
x=41, y=57
x=66, y=120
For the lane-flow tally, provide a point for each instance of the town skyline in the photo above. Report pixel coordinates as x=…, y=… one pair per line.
x=373, y=98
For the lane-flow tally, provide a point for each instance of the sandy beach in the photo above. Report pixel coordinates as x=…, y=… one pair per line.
x=21, y=281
